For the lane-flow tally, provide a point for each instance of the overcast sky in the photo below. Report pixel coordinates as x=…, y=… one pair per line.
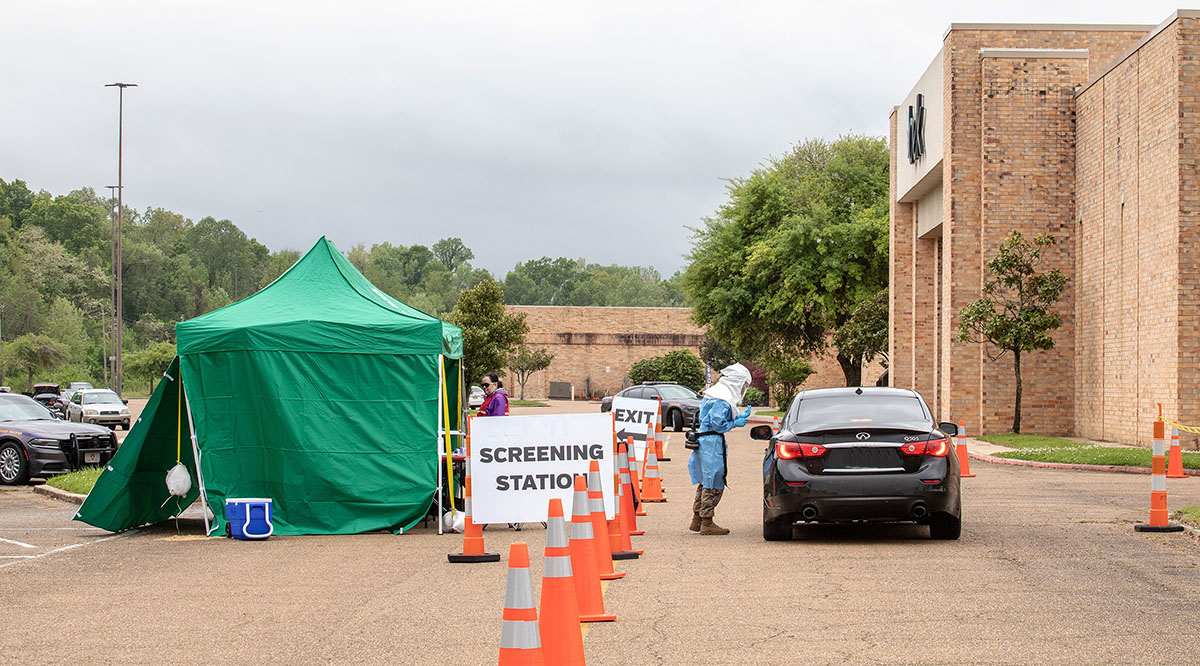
x=581, y=129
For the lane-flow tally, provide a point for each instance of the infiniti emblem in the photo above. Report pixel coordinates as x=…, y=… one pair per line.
x=863, y=435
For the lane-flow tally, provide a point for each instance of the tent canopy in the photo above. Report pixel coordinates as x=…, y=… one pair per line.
x=320, y=392
x=322, y=303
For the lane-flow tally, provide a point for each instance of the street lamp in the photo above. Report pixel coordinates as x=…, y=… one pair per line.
x=118, y=306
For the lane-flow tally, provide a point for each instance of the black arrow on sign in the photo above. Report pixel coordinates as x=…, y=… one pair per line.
x=623, y=436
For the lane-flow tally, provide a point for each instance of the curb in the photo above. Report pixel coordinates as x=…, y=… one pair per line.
x=63, y=495
x=1071, y=466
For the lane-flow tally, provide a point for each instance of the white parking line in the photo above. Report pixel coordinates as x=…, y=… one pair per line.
x=17, y=543
x=16, y=557
x=65, y=548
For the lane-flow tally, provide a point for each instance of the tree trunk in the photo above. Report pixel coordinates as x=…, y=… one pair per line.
x=522, y=389
x=1017, y=403
x=851, y=369
x=30, y=382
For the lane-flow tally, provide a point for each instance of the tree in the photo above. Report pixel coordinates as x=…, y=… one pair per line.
x=150, y=362
x=33, y=353
x=526, y=361
x=865, y=334
x=793, y=251
x=490, y=334
x=785, y=374
x=1014, y=312
x=715, y=354
x=452, y=252
x=680, y=366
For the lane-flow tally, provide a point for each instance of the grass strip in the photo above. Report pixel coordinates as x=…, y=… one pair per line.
x=771, y=412
x=1056, y=449
x=1189, y=515
x=79, y=482
x=527, y=403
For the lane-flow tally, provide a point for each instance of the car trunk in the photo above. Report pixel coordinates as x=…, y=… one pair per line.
x=865, y=451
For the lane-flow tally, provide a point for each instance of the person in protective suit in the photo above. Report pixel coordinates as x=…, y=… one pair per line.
x=718, y=415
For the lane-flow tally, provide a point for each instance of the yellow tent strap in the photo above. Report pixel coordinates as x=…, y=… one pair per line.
x=446, y=416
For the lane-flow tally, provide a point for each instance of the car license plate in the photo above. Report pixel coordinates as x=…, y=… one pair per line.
x=93, y=457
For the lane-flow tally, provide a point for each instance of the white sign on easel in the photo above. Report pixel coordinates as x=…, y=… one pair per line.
x=634, y=417
x=520, y=463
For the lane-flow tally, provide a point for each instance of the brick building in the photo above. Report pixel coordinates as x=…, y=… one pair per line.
x=1090, y=133
x=594, y=347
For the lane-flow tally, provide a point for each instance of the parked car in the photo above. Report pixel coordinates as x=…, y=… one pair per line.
x=680, y=405
x=860, y=454
x=101, y=406
x=476, y=397
x=33, y=443
x=49, y=395
x=50, y=402
x=73, y=387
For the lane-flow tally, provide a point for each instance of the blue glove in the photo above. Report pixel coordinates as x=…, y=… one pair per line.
x=740, y=419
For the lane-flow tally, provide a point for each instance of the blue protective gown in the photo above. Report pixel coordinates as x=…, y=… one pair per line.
x=707, y=464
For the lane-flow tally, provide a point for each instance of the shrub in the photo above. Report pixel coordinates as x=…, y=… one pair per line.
x=755, y=396
x=680, y=366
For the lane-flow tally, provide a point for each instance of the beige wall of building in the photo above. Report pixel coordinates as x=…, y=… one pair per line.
x=1085, y=132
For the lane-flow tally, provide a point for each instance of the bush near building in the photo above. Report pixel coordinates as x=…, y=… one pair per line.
x=680, y=366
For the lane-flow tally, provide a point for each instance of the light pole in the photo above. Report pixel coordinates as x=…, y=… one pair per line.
x=112, y=281
x=119, y=306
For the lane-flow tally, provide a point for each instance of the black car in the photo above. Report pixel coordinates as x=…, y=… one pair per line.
x=860, y=455
x=35, y=443
x=680, y=405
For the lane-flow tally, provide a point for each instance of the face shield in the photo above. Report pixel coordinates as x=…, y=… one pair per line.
x=732, y=385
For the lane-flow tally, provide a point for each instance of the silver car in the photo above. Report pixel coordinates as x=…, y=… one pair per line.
x=99, y=406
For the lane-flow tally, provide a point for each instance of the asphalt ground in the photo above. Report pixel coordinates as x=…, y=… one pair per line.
x=1049, y=571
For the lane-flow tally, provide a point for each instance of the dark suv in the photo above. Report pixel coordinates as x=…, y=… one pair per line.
x=680, y=404
x=35, y=443
x=860, y=454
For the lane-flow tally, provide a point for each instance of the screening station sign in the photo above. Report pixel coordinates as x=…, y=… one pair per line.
x=519, y=463
x=634, y=417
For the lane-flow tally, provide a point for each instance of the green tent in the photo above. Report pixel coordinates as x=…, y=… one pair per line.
x=320, y=392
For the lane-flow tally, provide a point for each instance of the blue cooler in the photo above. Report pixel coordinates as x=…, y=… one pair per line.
x=249, y=517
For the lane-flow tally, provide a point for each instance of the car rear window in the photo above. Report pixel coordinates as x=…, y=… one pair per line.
x=861, y=410
x=676, y=392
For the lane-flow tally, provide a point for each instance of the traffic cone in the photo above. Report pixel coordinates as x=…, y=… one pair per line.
x=1175, y=461
x=603, y=545
x=658, y=442
x=472, y=548
x=558, y=615
x=625, y=517
x=583, y=557
x=964, y=460
x=618, y=532
x=651, y=482
x=636, y=482
x=1158, y=486
x=626, y=482
x=520, y=644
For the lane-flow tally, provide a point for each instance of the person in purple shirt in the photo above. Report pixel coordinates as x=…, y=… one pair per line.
x=496, y=402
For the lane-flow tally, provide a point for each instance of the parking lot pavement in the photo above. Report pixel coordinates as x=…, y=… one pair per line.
x=1048, y=570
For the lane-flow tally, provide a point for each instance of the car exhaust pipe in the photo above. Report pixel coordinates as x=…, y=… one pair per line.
x=920, y=511
x=809, y=512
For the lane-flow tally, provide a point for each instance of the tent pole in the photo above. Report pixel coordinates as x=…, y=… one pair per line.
x=441, y=380
x=196, y=454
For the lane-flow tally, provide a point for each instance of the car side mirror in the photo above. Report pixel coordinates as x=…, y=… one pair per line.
x=763, y=432
x=125, y=400
x=949, y=428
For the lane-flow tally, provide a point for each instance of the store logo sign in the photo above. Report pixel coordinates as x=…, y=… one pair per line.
x=916, y=130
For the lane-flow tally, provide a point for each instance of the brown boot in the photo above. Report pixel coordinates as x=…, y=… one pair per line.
x=695, y=526
x=707, y=526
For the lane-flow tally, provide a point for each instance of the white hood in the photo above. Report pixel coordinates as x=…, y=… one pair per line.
x=731, y=387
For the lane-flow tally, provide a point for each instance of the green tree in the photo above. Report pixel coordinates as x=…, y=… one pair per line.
x=865, y=334
x=715, y=354
x=680, y=366
x=32, y=353
x=1014, y=313
x=526, y=361
x=785, y=374
x=452, y=253
x=150, y=363
x=490, y=335
x=797, y=246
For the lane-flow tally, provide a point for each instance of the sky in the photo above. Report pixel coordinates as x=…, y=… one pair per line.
x=601, y=130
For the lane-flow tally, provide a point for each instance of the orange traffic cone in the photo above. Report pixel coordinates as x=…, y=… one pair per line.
x=651, y=481
x=520, y=644
x=558, y=616
x=603, y=545
x=626, y=482
x=1175, y=460
x=1158, y=485
x=583, y=557
x=964, y=460
x=618, y=531
x=625, y=517
x=658, y=442
x=472, y=548
x=636, y=483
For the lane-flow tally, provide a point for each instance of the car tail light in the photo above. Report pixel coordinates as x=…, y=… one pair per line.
x=937, y=448
x=790, y=450
x=913, y=448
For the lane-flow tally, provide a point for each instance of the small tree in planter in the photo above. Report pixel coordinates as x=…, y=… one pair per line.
x=1014, y=313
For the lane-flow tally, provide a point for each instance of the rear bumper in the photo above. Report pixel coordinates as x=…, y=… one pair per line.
x=881, y=497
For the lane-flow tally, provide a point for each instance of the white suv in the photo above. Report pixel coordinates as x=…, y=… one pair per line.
x=101, y=406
